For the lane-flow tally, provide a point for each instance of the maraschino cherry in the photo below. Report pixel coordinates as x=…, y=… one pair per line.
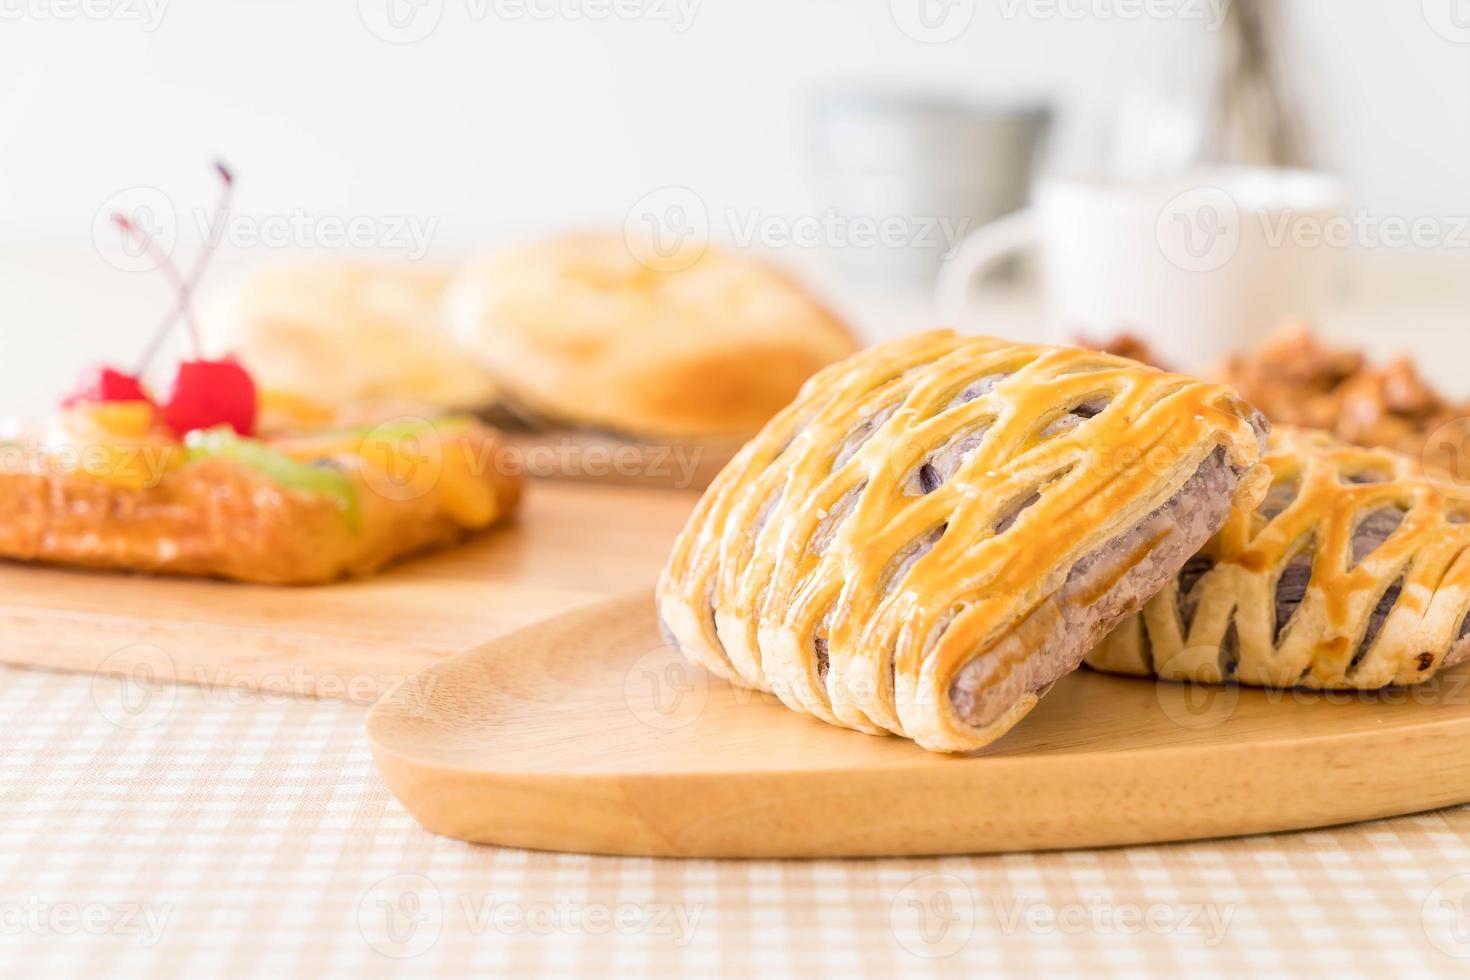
x=104, y=384
x=209, y=393
x=204, y=393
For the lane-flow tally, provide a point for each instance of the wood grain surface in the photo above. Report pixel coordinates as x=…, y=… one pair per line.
x=603, y=458
x=570, y=544
x=587, y=733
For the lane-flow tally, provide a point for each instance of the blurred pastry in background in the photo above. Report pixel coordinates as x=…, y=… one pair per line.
x=351, y=332
x=580, y=332
x=1296, y=379
x=109, y=484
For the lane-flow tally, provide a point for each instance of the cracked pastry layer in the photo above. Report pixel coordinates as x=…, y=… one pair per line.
x=939, y=527
x=1353, y=572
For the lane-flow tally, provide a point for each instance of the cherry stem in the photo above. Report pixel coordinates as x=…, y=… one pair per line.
x=171, y=271
x=187, y=286
x=216, y=221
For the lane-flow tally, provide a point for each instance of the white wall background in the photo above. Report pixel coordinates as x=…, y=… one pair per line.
x=494, y=125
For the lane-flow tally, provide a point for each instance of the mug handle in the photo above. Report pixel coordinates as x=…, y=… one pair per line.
x=982, y=249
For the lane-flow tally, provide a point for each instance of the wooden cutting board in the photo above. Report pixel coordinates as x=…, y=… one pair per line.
x=594, y=457
x=587, y=733
x=570, y=544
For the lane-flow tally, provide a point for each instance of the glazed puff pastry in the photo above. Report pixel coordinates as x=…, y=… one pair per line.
x=941, y=526
x=1352, y=573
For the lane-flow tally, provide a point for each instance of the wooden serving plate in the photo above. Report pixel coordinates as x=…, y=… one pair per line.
x=586, y=733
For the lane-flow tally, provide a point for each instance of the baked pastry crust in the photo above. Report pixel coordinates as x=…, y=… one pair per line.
x=915, y=511
x=220, y=517
x=1386, y=597
x=579, y=331
x=345, y=332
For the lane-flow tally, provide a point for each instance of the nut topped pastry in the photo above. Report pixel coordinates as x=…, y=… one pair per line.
x=1296, y=379
x=940, y=527
x=1353, y=572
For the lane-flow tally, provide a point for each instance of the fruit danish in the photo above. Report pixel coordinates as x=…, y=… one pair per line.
x=1353, y=572
x=940, y=527
x=108, y=486
x=197, y=481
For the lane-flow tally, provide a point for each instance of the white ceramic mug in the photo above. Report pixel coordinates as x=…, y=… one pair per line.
x=1196, y=265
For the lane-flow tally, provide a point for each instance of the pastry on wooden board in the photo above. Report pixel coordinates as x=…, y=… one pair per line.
x=1352, y=573
x=583, y=333
x=939, y=527
x=346, y=332
x=209, y=475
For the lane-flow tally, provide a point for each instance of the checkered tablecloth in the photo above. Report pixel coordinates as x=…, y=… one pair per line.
x=183, y=832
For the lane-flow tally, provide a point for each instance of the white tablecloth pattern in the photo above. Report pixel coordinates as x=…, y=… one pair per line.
x=188, y=832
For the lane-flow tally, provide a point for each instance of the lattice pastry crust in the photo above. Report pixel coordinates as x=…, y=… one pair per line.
x=1353, y=573
x=939, y=527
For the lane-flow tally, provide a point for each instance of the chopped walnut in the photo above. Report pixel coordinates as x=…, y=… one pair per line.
x=1296, y=379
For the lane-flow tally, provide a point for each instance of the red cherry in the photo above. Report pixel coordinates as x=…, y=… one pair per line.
x=101, y=383
x=210, y=393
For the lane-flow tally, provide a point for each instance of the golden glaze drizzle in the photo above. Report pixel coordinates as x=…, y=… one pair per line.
x=1320, y=645
x=810, y=530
